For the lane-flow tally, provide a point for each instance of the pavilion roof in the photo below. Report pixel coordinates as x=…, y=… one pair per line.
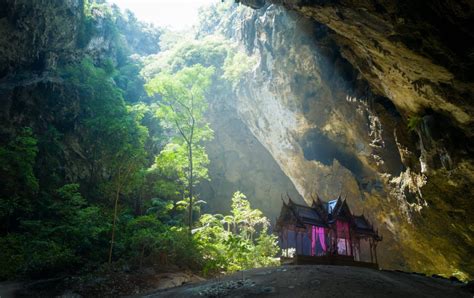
x=308, y=215
x=323, y=214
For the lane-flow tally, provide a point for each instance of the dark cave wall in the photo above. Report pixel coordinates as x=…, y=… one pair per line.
x=38, y=41
x=36, y=35
x=35, y=39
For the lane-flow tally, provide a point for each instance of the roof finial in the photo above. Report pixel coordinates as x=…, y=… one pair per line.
x=289, y=198
x=320, y=201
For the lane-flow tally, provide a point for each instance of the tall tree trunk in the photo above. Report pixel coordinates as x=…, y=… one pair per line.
x=190, y=157
x=117, y=194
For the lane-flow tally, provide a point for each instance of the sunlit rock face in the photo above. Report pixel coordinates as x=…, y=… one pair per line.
x=331, y=98
x=239, y=162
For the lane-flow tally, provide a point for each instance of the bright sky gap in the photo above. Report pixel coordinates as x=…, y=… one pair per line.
x=174, y=14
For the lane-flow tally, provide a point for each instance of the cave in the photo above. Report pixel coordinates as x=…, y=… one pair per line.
x=153, y=144
x=319, y=147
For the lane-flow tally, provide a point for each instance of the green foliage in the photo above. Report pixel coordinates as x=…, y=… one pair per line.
x=173, y=162
x=181, y=248
x=19, y=156
x=236, y=66
x=161, y=209
x=11, y=256
x=183, y=97
x=183, y=103
x=50, y=228
x=228, y=242
x=151, y=242
x=49, y=164
x=86, y=27
x=145, y=235
x=19, y=184
x=70, y=234
x=114, y=134
x=182, y=106
x=45, y=257
x=414, y=123
x=91, y=12
x=108, y=67
x=54, y=231
x=210, y=51
x=246, y=219
x=229, y=63
x=129, y=80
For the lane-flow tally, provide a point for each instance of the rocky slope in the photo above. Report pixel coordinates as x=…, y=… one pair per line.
x=371, y=102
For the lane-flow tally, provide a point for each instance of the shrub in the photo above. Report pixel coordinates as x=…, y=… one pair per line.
x=236, y=242
x=414, y=122
x=11, y=255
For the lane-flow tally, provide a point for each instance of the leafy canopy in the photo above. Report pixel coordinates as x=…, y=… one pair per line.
x=183, y=100
x=182, y=106
x=228, y=242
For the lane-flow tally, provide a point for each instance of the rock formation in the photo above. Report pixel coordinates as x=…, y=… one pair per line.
x=370, y=102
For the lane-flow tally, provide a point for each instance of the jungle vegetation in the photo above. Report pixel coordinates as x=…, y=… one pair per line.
x=112, y=183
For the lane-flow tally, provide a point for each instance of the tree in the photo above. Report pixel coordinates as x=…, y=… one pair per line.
x=20, y=184
x=113, y=131
x=123, y=176
x=126, y=163
x=144, y=235
x=183, y=104
x=244, y=243
x=245, y=219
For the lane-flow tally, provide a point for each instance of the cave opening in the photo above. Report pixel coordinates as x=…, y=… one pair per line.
x=151, y=143
x=318, y=146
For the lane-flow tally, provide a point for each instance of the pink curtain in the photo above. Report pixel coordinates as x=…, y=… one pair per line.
x=317, y=233
x=322, y=237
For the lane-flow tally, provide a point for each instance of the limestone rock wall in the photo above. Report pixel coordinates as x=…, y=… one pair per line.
x=239, y=162
x=34, y=35
x=346, y=106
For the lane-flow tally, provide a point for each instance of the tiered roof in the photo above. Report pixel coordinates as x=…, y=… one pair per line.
x=323, y=214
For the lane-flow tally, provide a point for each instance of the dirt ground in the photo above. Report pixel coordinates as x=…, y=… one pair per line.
x=320, y=281
x=112, y=284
